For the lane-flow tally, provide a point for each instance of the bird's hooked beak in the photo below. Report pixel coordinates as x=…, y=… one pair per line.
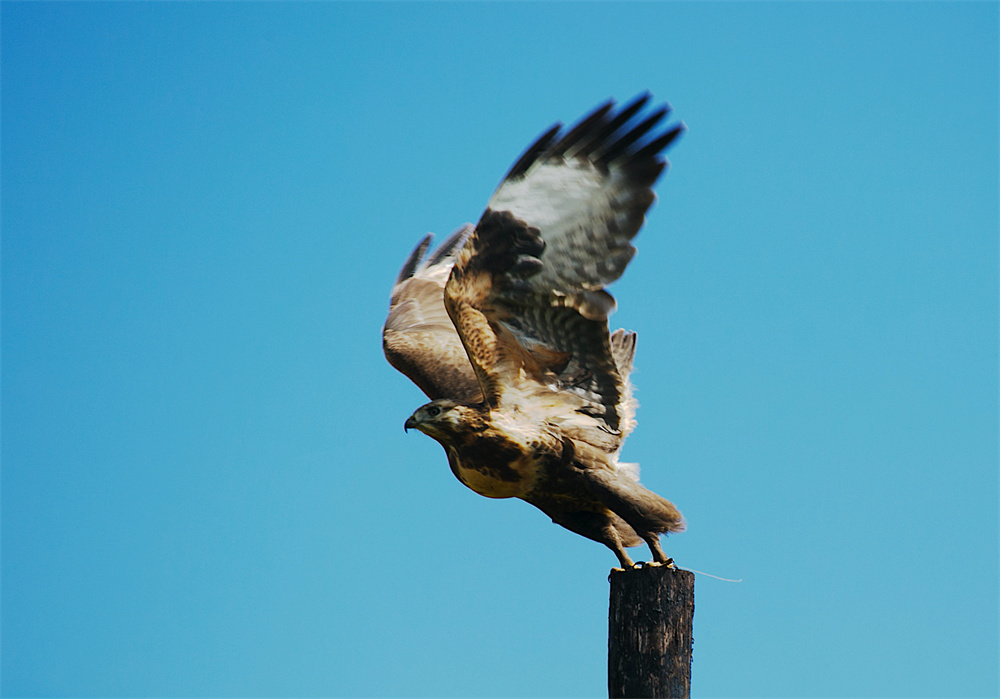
x=410, y=422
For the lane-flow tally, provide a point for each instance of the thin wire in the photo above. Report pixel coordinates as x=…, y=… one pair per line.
x=692, y=570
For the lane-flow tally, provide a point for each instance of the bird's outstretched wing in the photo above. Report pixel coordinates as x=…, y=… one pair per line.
x=419, y=338
x=526, y=292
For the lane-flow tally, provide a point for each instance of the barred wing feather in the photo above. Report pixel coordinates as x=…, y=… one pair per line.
x=526, y=292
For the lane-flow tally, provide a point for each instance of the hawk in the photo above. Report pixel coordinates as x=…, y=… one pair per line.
x=505, y=328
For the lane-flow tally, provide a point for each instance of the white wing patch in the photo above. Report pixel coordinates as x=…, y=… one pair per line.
x=554, y=195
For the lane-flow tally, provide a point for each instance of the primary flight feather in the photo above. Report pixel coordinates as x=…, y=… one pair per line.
x=505, y=328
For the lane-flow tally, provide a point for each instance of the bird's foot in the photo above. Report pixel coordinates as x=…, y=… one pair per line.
x=668, y=563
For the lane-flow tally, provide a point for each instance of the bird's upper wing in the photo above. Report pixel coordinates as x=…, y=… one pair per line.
x=526, y=292
x=419, y=338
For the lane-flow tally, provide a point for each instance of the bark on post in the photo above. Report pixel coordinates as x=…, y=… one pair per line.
x=649, y=639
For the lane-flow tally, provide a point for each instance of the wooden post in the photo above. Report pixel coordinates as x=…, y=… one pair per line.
x=649, y=635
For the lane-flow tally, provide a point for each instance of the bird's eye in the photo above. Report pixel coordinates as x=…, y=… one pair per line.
x=433, y=411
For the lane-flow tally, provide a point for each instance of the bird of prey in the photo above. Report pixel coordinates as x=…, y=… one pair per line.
x=505, y=328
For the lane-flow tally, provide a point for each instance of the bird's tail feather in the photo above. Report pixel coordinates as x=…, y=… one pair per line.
x=644, y=510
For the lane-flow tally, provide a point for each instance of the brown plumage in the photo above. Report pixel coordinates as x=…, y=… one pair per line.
x=505, y=328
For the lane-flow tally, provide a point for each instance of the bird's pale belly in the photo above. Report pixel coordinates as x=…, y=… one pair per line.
x=493, y=475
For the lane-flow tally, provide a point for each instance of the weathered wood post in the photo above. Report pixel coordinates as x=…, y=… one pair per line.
x=649, y=634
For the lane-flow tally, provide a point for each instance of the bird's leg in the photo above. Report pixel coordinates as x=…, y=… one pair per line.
x=654, y=546
x=622, y=556
x=613, y=541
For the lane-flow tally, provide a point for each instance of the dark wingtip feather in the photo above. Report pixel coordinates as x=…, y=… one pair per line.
x=617, y=149
x=530, y=155
x=607, y=137
x=455, y=240
x=601, y=136
x=660, y=143
x=582, y=128
x=415, y=258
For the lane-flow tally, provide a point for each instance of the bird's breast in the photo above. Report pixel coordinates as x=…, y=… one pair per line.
x=495, y=467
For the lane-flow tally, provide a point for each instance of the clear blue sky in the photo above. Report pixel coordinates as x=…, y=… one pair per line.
x=206, y=488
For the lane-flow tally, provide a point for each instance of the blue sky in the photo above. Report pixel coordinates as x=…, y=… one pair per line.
x=206, y=488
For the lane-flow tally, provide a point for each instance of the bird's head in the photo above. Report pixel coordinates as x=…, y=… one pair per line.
x=441, y=419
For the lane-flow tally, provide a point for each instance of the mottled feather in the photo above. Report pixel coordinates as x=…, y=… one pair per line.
x=505, y=328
